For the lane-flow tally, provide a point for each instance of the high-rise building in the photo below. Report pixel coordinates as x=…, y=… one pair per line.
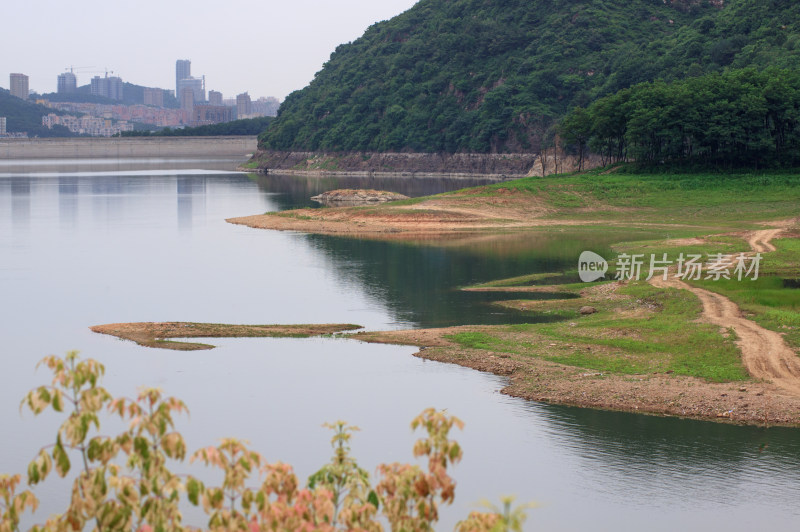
x=154, y=97
x=99, y=86
x=187, y=99
x=67, y=83
x=214, y=98
x=107, y=87
x=266, y=106
x=198, y=86
x=210, y=114
x=183, y=70
x=243, y=105
x=115, y=88
x=19, y=85
x=2, y=125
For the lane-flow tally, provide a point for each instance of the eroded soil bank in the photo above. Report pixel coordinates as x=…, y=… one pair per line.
x=659, y=393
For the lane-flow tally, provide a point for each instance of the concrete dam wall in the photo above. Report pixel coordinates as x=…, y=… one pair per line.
x=126, y=147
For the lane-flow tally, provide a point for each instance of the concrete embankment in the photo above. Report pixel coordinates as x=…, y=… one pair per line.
x=125, y=147
x=371, y=164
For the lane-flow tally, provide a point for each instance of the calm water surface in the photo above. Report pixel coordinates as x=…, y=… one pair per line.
x=90, y=242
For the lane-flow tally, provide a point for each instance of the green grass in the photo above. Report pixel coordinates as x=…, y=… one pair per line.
x=712, y=244
x=733, y=200
x=475, y=340
x=784, y=261
x=409, y=201
x=533, y=279
x=767, y=300
x=658, y=334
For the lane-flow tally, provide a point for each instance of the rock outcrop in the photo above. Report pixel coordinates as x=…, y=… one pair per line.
x=348, y=196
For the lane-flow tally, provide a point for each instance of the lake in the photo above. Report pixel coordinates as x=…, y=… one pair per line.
x=101, y=241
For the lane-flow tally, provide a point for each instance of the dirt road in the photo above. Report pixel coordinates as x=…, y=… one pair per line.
x=764, y=353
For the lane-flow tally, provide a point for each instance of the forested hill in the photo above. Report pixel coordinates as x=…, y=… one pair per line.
x=26, y=116
x=491, y=75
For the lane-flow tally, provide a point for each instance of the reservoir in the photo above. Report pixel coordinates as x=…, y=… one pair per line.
x=93, y=241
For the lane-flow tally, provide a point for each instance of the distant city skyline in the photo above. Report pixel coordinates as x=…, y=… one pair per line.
x=265, y=49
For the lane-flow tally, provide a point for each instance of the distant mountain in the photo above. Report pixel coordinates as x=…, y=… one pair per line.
x=22, y=115
x=492, y=75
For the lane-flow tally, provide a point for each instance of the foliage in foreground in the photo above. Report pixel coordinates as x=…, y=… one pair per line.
x=124, y=482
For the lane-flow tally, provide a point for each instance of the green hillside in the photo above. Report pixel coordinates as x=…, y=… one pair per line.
x=26, y=116
x=492, y=75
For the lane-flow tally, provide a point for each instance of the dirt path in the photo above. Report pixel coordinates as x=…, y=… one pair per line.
x=764, y=352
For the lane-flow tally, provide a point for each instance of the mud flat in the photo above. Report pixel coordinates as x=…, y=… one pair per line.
x=124, y=147
x=158, y=334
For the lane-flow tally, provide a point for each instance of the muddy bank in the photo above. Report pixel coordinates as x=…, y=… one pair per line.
x=157, y=334
x=437, y=215
x=751, y=403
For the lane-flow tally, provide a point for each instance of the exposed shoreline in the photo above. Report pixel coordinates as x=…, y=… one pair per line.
x=438, y=215
x=491, y=166
x=373, y=174
x=750, y=403
x=487, y=211
x=159, y=334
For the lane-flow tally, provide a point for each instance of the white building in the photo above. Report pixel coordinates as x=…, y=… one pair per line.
x=87, y=125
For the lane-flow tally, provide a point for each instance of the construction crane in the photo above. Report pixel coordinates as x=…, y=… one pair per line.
x=72, y=69
x=81, y=70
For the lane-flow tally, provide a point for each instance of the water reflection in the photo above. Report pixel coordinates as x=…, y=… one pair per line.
x=420, y=281
x=191, y=194
x=674, y=461
x=67, y=201
x=296, y=191
x=20, y=203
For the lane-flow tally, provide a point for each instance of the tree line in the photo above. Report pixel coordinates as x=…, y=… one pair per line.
x=737, y=118
x=245, y=126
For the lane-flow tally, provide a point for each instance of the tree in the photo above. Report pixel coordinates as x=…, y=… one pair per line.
x=125, y=482
x=576, y=128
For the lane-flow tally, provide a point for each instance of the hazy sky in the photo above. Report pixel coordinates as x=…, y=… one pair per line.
x=266, y=47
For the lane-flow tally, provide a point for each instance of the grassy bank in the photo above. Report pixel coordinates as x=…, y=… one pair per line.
x=734, y=199
x=686, y=205
x=637, y=329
